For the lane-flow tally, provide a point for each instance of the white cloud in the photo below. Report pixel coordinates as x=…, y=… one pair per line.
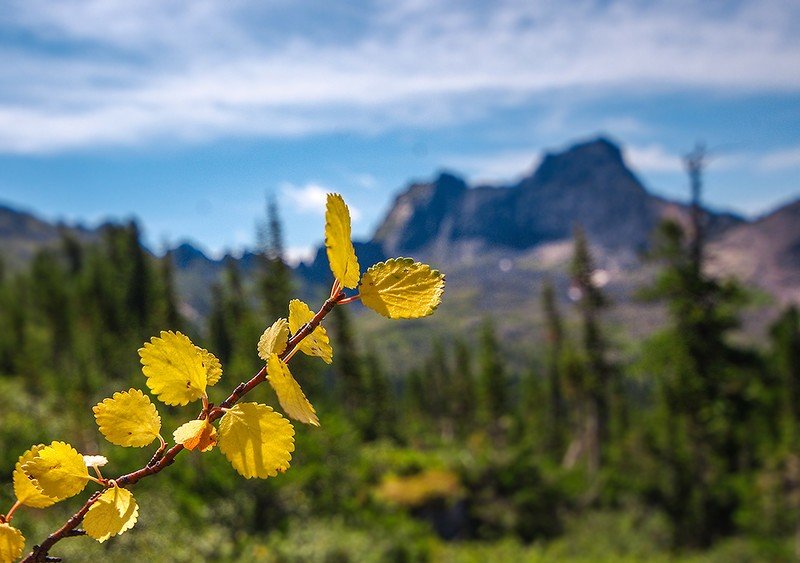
x=655, y=158
x=780, y=160
x=296, y=254
x=131, y=72
x=652, y=158
x=490, y=168
x=311, y=198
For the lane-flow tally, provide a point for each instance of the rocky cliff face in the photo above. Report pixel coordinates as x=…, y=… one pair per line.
x=588, y=184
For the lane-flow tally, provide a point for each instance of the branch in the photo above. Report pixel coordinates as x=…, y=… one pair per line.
x=244, y=388
x=160, y=462
x=39, y=552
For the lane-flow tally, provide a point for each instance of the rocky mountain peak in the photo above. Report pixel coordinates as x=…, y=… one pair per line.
x=580, y=160
x=587, y=184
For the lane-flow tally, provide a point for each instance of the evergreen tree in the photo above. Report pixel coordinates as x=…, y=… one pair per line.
x=348, y=368
x=139, y=285
x=242, y=324
x=73, y=252
x=704, y=386
x=440, y=383
x=416, y=396
x=218, y=328
x=172, y=315
x=554, y=335
x=598, y=377
x=462, y=393
x=275, y=282
x=50, y=291
x=492, y=375
x=785, y=353
x=381, y=420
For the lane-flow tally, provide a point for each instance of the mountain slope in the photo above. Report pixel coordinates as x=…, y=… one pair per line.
x=765, y=253
x=23, y=234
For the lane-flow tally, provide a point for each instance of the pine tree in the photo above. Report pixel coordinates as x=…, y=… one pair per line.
x=139, y=285
x=598, y=378
x=704, y=383
x=73, y=252
x=50, y=291
x=379, y=402
x=440, y=382
x=242, y=324
x=785, y=355
x=554, y=335
x=349, y=368
x=218, y=329
x=275, y=281
x=172, y=316
x=492, y=376
x=463, y=394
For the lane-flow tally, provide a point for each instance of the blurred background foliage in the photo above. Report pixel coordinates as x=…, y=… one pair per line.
x=685, y=449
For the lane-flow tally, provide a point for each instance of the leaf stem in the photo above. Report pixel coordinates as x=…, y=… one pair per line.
x=11, y=512
x=335, y=288
x=352, y=299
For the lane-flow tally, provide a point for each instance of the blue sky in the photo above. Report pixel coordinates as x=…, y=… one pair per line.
x=186, y=114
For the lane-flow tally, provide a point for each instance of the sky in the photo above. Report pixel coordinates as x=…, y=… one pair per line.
x=186, y=115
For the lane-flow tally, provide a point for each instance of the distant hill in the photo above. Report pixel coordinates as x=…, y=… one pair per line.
x=22, y=234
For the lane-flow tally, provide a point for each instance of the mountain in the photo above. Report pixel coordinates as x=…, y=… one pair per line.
x=764, y=253
x=588, y=184
x=22, y=234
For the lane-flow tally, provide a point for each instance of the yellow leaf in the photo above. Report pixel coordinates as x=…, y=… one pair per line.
x=402, y=289
x=256, y=440
x=115, y=512
x=174, y=368
x=315, y=344
x=273, y=341
x=212, y=366
x=58, y=471
x=24, y=489
x=290, y=395
x=341, y=254
x=128, y=419
x=12, y=542
x=196, y=434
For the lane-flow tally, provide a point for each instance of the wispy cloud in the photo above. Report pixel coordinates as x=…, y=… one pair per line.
x=296, y=254
x=505, y=165
x=96, y=72
x=657, y=158
x=311, y=198
x=781, y=160
x=652, y=158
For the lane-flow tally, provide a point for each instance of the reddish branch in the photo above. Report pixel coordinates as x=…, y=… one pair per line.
x=163, y=459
